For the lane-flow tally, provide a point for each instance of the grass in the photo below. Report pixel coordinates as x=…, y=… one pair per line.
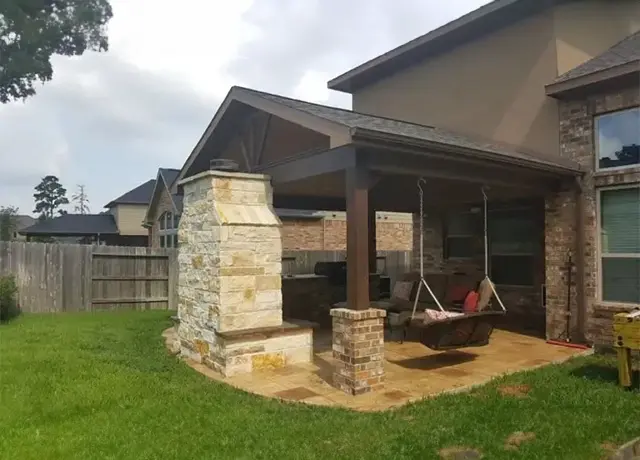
x=102, y=386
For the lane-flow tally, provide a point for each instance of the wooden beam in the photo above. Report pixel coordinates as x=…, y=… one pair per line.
x=424, y=166
x=372, y=240
x=357, y=193
x=312, y=203
x=263, y=139
x=310, y=164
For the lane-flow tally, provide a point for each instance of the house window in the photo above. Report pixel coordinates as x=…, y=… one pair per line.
x=618, y=139
x=168, y=233
x=619, y=213
x=460, y=235
x=512, y=242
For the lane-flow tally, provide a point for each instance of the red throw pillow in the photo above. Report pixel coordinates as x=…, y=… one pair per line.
x=471, y=302
x=456, y=293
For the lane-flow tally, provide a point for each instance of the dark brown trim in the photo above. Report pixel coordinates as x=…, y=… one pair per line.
x=561, y=167
x=357, y=193
x=263, y=140
x=309, y=164
x=486, y=19
x=439, y=168
x=563, y=88
x=372, y=239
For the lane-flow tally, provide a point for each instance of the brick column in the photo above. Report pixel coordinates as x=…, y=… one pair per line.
x=358, y=347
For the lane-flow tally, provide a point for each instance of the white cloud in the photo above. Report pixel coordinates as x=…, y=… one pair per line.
x=110, y=120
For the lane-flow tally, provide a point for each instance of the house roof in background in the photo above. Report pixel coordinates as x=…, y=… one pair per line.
x=621, y=60
x=139, y=195
x=74, y=224
x=25, y=221
x=170, y=175
x=22, y=221
x=486, y=19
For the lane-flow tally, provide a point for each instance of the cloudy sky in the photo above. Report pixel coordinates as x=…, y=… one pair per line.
x=109, y=120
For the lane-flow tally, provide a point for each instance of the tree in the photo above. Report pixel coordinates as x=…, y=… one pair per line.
x=8, y=222
x=49, y=196
x=31, y=31
x=81, y=200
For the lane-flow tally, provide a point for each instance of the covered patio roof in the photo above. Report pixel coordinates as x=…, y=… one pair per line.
x=306, y=149
x=321, y=157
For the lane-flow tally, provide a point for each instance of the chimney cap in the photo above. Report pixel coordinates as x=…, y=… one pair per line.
x=223, y=164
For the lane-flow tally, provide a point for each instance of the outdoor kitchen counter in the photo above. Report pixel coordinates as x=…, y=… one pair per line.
x=310, y=297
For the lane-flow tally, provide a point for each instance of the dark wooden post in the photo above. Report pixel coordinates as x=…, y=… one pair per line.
x=357, y=194
x=373, y=253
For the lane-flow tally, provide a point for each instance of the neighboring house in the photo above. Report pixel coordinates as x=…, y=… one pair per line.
x=119, y=225
x=520, y=94
x=301, y=229
x=20, y=222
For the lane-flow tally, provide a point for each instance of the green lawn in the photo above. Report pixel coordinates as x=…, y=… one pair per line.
x=102, y=386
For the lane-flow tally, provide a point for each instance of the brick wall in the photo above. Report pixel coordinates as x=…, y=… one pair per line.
x=524, y=303
x=165, y=204
x=328, y=234
x=577, y=143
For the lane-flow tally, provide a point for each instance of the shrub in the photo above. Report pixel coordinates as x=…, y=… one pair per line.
x=8, y=302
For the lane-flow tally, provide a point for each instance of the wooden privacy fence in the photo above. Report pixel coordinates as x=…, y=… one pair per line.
x=62, y=277
x=66, y=277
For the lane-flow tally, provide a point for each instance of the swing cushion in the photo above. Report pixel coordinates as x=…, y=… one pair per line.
x=402, y=290
x=471, y=302
x=485, y=293
x=434, y=315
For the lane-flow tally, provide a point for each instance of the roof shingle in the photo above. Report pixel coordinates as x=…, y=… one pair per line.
x=139, y=195
x=409, y=130
x=74, y=224
x=623, y=52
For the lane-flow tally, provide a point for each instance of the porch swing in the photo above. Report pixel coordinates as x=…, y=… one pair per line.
x=455, y=330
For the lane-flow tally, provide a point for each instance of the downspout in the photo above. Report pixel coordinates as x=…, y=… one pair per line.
x=580, y=259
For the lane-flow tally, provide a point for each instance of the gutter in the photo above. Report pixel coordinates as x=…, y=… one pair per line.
x=542, y=165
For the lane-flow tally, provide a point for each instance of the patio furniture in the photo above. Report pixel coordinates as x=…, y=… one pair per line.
x=455, y=330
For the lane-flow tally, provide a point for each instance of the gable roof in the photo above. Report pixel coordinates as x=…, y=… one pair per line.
x=165, y=178
x=22, y=221
x=139, y=195
x=471, y=26
x=360, y=125
x=621, y=59
x=170, y=175
x=74, y=224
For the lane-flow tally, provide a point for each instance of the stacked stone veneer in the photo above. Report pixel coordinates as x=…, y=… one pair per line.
x=230, y=300
x=358, y=348
x=577, y=142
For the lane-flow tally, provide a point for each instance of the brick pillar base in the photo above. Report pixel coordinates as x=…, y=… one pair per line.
x=358, y=347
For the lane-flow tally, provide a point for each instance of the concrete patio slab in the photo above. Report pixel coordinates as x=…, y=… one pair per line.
x=413, y=372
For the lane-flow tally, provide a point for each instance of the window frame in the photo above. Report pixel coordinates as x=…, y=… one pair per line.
x=447, y=235
x=491, y=254
x=600, y=254
x=596, y=141
x=168, y=229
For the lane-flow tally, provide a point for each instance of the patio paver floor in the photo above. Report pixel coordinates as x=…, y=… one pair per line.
x=412, y=371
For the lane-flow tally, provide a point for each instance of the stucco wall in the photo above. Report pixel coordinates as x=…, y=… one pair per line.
x=575, y=24
x=493, y=87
